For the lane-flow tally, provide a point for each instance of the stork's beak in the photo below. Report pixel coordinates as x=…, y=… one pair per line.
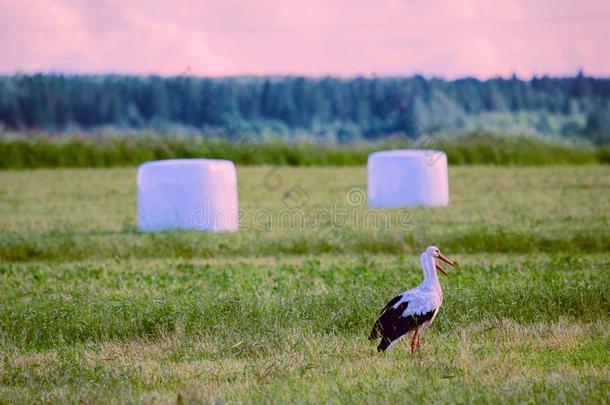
x=446, y=260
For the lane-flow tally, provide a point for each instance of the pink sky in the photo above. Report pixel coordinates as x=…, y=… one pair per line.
x=448, y=38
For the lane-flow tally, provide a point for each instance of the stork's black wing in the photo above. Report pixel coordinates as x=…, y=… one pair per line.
x=391, y=325
x=378, y=326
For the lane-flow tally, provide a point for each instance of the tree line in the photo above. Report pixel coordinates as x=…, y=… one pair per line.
x=363, y=107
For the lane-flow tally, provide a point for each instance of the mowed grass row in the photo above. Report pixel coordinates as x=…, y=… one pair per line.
x=295, y=329
x=509, y=363
x=69, y=245
x=48, y=305
x=84, y=214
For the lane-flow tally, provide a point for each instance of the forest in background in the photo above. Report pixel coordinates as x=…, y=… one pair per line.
x=343, y=110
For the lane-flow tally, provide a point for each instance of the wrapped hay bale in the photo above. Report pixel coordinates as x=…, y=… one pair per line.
x=198, y=194
x=407, y=178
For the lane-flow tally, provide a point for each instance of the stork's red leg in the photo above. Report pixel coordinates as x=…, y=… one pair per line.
x=409, y=339
x=415, y=341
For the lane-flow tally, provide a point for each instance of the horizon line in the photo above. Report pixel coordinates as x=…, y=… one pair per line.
x=187, y=72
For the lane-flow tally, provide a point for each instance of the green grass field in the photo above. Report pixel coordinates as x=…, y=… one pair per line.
x=93, y=311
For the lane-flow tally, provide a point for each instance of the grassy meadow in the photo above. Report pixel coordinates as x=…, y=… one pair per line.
x=93, y=311
x=18, y=151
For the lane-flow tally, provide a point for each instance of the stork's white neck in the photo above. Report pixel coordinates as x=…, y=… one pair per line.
x=428, y=265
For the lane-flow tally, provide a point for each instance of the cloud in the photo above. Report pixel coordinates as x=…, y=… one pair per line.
x=439, y=37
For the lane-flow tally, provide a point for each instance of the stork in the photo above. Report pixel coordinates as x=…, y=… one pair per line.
x=415, y=309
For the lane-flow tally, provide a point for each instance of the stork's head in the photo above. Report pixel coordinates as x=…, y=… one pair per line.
x=436, y=253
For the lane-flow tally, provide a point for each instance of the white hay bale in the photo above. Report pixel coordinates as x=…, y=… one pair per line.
x=198, y=194
x=407, y=178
